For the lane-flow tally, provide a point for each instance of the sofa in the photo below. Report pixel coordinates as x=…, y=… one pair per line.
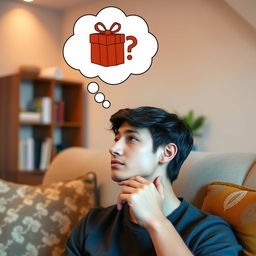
x=37, y=220
x=200, y=169
x=223, y=184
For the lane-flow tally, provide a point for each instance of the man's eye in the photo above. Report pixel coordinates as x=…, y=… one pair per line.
x=115, y=139
x=132, y=139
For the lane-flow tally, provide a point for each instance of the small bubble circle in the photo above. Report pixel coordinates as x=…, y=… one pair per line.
x=106, y=104
x=99, y=97
x=93, y=87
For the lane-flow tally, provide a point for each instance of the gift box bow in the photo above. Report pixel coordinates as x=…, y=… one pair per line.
x=105, y=30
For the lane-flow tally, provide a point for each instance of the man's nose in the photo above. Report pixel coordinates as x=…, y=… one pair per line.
x=117, y=148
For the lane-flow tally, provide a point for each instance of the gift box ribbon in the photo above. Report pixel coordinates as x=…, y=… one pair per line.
x=105, y=30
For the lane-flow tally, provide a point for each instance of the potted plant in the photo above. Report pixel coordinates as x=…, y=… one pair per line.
x=195, y=123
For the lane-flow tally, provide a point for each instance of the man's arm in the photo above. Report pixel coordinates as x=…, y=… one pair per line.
x=213, y=237
x=166, y=239
x=145, y=200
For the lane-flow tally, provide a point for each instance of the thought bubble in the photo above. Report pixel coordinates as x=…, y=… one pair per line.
x=93, y=87
x=99, y=97
x=111, y=46
x=110, y=36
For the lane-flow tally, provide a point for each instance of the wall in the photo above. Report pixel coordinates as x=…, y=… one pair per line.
x=29, y=35
x=206, y=61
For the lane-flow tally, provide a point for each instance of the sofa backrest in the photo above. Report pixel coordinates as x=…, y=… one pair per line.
x=200, y=169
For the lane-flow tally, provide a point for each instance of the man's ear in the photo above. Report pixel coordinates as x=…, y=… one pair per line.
x=168, y=153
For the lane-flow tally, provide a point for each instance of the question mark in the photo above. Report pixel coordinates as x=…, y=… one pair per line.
x=134, y=43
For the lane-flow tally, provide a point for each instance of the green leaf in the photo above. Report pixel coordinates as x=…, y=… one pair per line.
x=194, y=123
x=198, y=123
x=189, y=118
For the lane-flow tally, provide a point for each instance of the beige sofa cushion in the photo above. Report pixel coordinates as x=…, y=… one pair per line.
x=202, y=168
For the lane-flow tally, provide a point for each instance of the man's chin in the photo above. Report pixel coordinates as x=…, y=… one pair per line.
x=117, y=178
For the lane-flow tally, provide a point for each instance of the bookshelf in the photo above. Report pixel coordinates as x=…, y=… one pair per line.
x=54, y=126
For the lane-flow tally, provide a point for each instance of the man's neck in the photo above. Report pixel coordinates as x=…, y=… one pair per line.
x=171, y=202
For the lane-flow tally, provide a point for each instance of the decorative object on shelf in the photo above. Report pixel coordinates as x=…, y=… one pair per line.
x=29, y=70
x=52, y=72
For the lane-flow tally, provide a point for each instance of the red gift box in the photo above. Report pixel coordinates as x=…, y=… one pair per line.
x=107, y=47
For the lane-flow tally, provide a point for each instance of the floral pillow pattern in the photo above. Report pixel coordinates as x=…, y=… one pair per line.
x=37, y=220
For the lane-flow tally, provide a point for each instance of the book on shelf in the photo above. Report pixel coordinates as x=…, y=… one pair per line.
x=30, y=154
x=30, y=116
x=26, y=154
x=34, y=154
x=60, y=147
x=59, y=111
x=44, y=106
x=22, y=159
x=46, y=110
x=37, y=150
x=46, y=153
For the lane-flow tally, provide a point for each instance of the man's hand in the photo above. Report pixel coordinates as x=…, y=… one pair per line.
x=144, y=198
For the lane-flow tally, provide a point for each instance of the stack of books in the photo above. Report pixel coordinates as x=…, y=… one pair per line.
x=34, y=117
x=34, y=154
x=39, y=111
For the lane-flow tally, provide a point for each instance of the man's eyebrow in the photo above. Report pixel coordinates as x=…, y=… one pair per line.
x=128, y=131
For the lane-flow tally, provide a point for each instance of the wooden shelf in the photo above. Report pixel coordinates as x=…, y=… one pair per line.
x=63, y=134
x=34, y=172
x=68, y=124
x=33, y=123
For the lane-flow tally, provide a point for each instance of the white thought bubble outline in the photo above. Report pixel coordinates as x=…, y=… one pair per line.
x=77, y=48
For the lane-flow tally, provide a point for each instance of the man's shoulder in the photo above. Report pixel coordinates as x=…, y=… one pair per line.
x=103, y=211
x=99, y=215
x=205, y=233
x=208, y=216
x=191, y=214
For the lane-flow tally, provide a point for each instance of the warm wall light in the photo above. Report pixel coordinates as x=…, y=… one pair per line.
x=28, y=0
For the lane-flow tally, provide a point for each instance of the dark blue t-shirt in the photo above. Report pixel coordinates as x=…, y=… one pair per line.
x=107, y=231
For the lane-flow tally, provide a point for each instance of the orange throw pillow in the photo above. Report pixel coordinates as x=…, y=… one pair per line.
x=237, y=205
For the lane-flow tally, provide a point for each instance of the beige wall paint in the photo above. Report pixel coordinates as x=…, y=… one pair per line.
x=206, y=61
x=29, y=35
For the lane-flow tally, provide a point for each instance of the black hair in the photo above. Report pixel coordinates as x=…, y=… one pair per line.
x=164, y=128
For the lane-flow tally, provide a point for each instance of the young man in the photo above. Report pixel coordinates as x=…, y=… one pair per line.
x=150, y=147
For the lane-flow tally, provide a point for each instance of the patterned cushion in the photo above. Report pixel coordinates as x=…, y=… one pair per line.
x=37, y=220
x=237, y=205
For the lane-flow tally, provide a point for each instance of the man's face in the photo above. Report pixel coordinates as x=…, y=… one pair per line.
x=132, y=153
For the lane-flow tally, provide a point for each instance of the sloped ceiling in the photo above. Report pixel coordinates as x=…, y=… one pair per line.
x=245, y=8
x=57, y=4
